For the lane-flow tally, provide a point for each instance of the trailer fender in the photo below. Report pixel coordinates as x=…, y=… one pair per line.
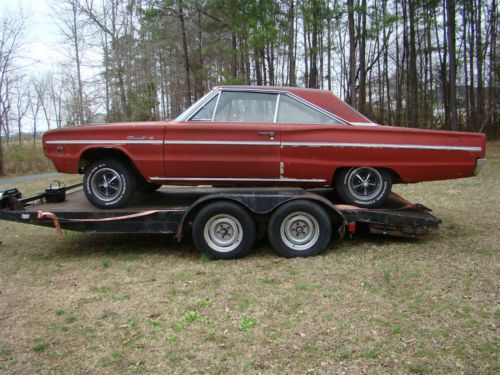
x=262, y=204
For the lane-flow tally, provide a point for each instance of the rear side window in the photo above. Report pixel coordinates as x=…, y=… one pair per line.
x=245, y=107
x=292, y=111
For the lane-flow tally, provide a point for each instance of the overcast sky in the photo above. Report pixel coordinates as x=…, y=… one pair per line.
x=41, y=35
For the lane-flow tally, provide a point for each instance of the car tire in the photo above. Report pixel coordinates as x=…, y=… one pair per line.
x=109, y=183
x=299, y=228
x=224, y=230
x=363, y=186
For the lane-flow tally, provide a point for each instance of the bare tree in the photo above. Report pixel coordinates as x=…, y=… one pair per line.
x=41, y=90
x=34, y=104
x=22, y=98
x=71, y=26
x=11, y=31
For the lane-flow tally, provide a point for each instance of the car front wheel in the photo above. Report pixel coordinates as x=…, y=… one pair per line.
x=109, y=183
x=364, y=186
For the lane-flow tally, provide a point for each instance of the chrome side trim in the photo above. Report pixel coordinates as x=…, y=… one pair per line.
x=378, y=145
x=275, y=118
x=226, y=143
x=275, y=90
x=479, y=165
x=215, y=109
x=107, y=142
x=236, y=179
x=186, y=115
x=268, y=143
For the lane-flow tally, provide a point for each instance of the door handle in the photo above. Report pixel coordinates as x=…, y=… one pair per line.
x=270, y=134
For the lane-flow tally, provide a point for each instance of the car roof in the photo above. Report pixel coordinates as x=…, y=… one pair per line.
x=321, y=98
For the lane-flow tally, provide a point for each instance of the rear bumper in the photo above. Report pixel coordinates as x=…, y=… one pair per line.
x=479, y=164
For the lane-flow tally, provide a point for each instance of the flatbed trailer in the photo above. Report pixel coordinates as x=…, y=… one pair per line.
x=223, y=221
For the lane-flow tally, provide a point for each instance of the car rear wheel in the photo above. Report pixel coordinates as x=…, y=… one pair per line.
x=364, y=186
x=224, y=230
x=109, y=183
x=299, y=229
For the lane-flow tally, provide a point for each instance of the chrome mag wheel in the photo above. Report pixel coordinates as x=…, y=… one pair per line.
x=365, y=183
x=107, y=184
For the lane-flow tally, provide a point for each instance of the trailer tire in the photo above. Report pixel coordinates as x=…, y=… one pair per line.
x=299, y=228
x=224, y=230
x=363, y=186
x=109, y=183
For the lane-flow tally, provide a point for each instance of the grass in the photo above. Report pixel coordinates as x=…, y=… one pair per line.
x=145, y=304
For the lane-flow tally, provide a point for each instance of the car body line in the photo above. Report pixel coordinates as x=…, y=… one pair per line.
x=105, y=142
x=228, y=143
x=270, y=143
x=379, y=145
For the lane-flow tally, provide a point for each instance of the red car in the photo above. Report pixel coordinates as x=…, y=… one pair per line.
x=253, y=136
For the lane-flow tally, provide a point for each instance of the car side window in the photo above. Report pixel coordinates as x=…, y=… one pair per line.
x=236, y=106
x=206, y=112
x=292, y=111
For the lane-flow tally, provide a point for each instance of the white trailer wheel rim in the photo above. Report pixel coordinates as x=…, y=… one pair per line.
x=223, y=233
x=299, y=231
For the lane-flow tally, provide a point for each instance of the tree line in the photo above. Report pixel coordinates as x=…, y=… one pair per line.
x=419, y=63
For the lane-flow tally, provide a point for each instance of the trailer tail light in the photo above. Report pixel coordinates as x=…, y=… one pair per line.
x=351, y=227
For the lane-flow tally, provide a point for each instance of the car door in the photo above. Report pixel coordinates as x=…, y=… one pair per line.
x=232, y=138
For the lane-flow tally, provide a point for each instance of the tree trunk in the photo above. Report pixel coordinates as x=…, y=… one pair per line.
x=412, y=78
x=76, y=45
x=452, y=80
x=351, y=92
x=362, y=59
x=479, y=66
x=180, y=12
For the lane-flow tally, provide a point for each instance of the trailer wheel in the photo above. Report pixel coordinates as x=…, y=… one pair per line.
x=363, y=186
x=299, y=229
x=109, y=183
x=224, y=230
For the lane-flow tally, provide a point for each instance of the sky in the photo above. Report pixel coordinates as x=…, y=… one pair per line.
x=43, y=45
x=41, y=36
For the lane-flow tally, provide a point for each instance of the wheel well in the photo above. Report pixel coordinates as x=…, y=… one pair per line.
x=394, y=174
x=92, y=155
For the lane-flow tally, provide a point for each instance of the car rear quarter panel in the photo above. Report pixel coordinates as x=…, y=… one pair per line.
x=351, y=146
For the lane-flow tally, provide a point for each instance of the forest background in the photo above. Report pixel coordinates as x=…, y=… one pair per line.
x=414, y=63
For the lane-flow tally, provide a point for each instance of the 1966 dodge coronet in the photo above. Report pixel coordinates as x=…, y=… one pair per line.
x=250, y=136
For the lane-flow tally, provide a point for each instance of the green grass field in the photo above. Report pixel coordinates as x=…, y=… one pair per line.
x=89, y=303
